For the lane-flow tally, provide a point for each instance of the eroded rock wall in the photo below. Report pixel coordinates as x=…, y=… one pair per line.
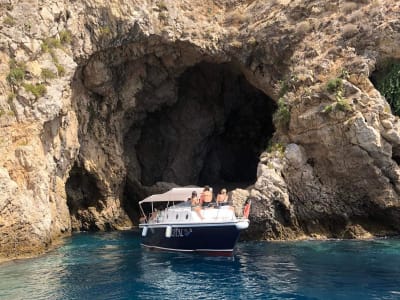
x=78, y=82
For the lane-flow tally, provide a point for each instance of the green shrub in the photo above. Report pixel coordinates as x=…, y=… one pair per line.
x=276, y=147
x=327, y=109
x=53, y=56
x=289, y=84
x=48, y=74
x=38, y=90
x=283, y=88
x=45, y=47
x=281, y=116
x=16, y=76
x=60, y=70
x=105, y=31
x=10, y=98
x=50, y=43
x=9, y=21
x=334, y=85
x=65, y=37
x=389, y=86
x=342, y=105
x=17, y=73
x=4, y=112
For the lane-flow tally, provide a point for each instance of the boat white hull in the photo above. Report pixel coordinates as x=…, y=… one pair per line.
x=217, y=238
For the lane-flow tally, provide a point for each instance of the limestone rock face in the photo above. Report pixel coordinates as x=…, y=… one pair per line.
x=103, y=103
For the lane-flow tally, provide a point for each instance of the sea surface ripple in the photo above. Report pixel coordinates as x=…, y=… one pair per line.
x=115, y=266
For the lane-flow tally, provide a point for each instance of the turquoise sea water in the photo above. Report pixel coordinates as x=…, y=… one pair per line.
x=114, y=266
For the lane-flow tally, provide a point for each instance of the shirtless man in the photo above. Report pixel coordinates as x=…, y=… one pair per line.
x=222, y=197
x=206, y=197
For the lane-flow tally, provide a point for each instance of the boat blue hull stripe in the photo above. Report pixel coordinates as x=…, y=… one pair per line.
x=217, y=238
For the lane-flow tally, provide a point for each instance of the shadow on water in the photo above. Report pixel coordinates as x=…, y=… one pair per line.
x=114, y=266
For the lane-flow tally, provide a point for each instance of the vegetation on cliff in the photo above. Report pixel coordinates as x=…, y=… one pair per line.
x=389, y=85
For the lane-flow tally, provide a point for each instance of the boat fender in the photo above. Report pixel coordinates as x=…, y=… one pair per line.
x=144, y=231
x=246, y=209
x=242, y=225
x=168, y=231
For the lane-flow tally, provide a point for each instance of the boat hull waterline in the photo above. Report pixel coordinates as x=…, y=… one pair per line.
x=208, y=238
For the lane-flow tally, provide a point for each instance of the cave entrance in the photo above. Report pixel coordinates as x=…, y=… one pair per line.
x=82, y=192
x=213, y=134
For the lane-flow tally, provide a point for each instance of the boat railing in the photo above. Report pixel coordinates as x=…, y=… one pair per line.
x=183, y=214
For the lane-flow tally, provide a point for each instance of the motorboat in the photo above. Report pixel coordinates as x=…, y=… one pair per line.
x=169, y=222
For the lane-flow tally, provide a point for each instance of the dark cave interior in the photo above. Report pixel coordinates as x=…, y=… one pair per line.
x=211, y=131
x=213, y=134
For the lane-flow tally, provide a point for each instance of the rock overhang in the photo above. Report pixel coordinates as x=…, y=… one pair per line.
x=168, y=114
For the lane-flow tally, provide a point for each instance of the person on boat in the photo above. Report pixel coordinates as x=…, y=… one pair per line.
x=194, y=200
x=222, y=197
x=195, y=203
x=206, y=197
x=154, y=214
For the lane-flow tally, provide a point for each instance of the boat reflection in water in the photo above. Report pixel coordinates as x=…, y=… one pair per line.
x=180, y=227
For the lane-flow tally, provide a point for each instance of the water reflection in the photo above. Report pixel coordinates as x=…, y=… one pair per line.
x=185, y=275
x=273, y=272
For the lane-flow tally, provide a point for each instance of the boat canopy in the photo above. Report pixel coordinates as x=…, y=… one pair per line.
x=175, y=194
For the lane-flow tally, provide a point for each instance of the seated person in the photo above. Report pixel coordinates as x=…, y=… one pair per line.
x=195, y=203
x=154, y=214
x=194, y=200
x=222, y=197
x=206, y=197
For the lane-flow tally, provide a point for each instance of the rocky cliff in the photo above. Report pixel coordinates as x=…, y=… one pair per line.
x=102, y=103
